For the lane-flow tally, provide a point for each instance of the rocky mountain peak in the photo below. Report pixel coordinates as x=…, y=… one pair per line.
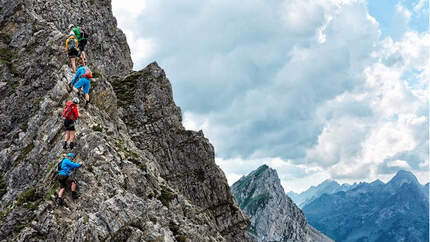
x=403, y=177
x=257, y=187
x=144, y=176
x=273, y=215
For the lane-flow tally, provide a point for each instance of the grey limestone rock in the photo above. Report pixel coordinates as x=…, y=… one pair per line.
x=274, y=216
x=144, y=177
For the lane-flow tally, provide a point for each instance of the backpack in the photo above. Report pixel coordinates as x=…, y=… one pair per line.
x=68, y=111
x=87, y=73
x=59, y=164
x=84, y=33
x=72, y=43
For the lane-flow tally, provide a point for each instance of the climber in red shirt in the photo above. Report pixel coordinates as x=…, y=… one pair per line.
x=70, y=114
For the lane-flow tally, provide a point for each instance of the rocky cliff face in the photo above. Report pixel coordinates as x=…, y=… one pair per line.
x=144, y=177
x=273, y=215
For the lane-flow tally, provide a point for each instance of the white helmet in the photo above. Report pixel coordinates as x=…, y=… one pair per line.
x=71, y=26
x=76, y=100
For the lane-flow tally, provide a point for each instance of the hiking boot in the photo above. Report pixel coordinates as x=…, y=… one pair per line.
x=75, y=195
x=72, y=144
x=60, y=201
x=86, y=104
x=65, y=145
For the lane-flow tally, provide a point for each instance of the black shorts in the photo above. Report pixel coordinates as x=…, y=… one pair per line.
x=73, y=53
x=63, y=180
x=82, y=44
x=69, y=125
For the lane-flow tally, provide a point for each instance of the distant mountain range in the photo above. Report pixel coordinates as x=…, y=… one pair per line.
x=395, y=211
x=273, y=215
x=328, y=186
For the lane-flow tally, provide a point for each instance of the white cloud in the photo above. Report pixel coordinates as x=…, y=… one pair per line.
x=294, y=177
x=305, y=86
x=127, y=13
x=133, y=7
x=399, y=163
x=384, y=119
x=232, y=178
x=195, y=122
x=302, y=17
x=403, y=11
x=421, y=4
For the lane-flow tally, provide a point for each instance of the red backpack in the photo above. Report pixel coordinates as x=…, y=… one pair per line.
x=87, y=73
x=68, y=111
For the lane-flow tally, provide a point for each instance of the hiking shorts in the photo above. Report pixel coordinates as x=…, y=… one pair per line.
x=73, y=53
x=83, y=82
x=82, y=44
x=63, y=180
x=69, y=125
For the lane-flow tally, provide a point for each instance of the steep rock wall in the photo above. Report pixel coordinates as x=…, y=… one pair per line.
x=144, y=177
x=274, y=216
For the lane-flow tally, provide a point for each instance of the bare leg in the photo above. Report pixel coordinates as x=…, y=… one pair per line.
x=75, y=89
x=68, y=136
x=60, y=193
x=73, y=186
x=73, y=64
x=83, y=57
x=72, y=136
x=87, y=97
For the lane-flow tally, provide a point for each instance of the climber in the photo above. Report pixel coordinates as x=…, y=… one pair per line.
x=70, y=114
x=72, y=49
x=66, y=166
x=82, y=79
x=81, y=35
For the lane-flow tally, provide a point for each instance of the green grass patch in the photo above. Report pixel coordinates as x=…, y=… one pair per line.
x=132, y=156
x=96, y=73
x=53, y=190
x=26, y=196
x=7, y=55
x=24, y=127
x=166, y=196
x=97, y=128
x=12, y=84
x=37, y=101
x=124, y=89
x=181, y=238
x=29, y=199
x=4, y=213
x=24, y=153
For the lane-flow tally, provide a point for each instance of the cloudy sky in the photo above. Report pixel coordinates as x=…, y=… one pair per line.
x=316, y=89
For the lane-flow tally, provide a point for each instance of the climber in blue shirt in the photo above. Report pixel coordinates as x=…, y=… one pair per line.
x=82, y=79
x=67, y=165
